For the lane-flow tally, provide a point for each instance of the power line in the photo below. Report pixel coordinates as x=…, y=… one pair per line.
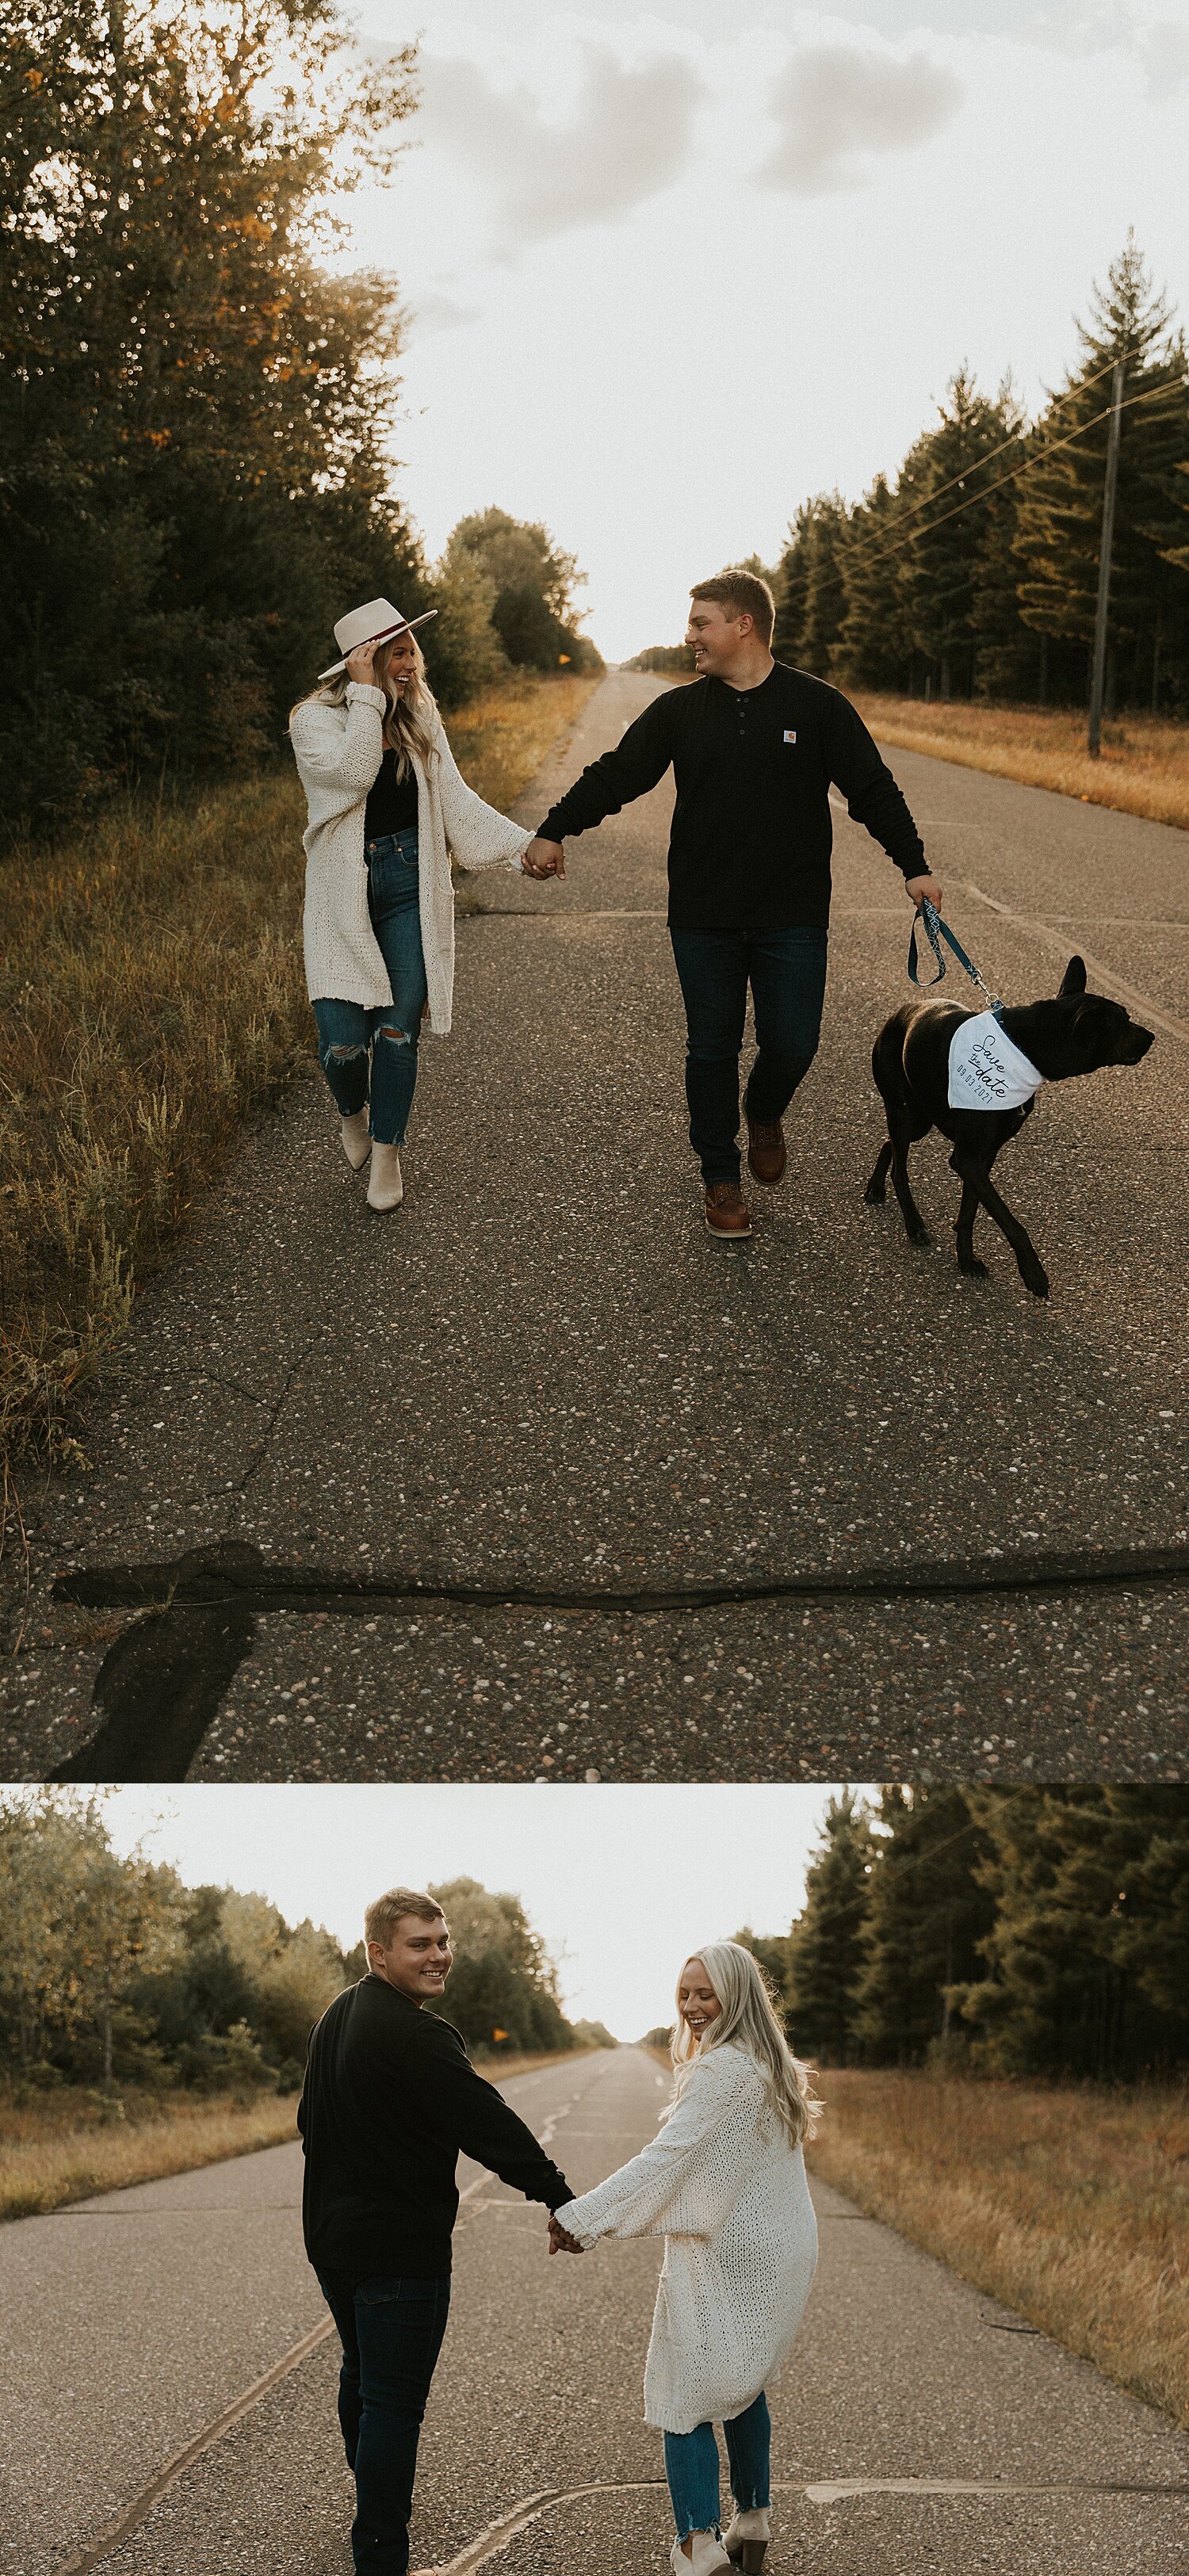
x=1083, y=386
x=1051, y=447
x=897, y=1865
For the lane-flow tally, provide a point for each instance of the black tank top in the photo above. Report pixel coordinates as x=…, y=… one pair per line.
x=392, y=801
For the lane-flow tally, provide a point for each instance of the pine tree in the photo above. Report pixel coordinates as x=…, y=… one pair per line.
x=789, y=586
x=1088, y=1958
x=926, y=1916
x=826, y=1941
x=874, y=648
x=825, y=589
x=1060, y=507
x=770, y=1951
x=946, y=473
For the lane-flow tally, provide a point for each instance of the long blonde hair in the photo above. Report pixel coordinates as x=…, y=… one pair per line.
x=749, y=2018
x=410, y=722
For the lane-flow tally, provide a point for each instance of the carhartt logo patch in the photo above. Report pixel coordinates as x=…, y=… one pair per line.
x=790, y=737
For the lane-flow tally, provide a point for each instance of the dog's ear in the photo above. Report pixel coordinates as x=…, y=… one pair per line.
x=1074, y=978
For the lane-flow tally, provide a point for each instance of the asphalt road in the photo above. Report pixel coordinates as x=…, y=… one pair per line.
x=544, y=1373
x=144, y=2315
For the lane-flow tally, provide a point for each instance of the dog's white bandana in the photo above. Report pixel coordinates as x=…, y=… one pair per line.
x=986, y=1070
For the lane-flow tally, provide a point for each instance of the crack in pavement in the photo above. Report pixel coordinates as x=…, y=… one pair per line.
x=162, y=1683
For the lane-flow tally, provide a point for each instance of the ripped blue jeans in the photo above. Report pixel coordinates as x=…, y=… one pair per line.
x=349, y=1034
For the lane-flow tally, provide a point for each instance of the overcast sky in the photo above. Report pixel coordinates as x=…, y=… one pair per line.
x=622, y=1882
x=673, y=269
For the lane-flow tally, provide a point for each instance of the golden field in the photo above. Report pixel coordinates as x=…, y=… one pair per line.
x=1143, y=767
x=1069, y=2203
x=153, y=997
x=63, y=2145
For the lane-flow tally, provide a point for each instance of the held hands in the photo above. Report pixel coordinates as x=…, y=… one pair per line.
x=560, y=2242
x=544, y=859
x=923, y=890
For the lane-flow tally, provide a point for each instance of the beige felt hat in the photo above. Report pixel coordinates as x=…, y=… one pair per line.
x=375, y=623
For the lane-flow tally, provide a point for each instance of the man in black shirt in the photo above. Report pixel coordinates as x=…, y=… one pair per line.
x=755, y=747
x=390, y=2102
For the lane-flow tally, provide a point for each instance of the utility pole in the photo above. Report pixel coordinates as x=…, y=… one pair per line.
x=1094, y=735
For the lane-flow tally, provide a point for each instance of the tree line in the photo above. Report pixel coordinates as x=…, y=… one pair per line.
x=1011, y=1931
x=972, y=572
x=196, y=412
x=114, y=1974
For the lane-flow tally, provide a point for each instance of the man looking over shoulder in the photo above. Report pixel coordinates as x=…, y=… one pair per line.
x=390, y=2102
x=755, y=747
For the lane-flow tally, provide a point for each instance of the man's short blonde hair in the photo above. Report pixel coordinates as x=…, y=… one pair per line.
x=741, y=594
x=385, y=1912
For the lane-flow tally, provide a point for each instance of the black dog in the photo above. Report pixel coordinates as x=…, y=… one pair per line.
x=1076, y=1033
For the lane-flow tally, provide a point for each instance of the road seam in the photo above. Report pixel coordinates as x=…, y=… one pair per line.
x=133, y=2514
x=499, y=2535
x=124, y=2524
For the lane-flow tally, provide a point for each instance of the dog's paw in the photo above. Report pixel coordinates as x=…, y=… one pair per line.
x=973, y=1269
x=920, y=1234
x=874, y=1197
x=1035, y=1278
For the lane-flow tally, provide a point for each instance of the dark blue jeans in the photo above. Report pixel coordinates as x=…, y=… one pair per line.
x=348, y=1032
x=391, y=2333
x=691, y=2467
x=787, y=973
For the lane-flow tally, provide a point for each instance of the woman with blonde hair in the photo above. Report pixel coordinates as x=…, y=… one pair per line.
x=724, y=2184
x=387, y=812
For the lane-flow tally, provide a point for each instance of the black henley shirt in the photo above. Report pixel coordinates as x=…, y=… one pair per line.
x=751, y=838
x=391, y=2100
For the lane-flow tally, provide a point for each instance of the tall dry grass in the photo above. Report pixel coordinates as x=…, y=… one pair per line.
x=1143, y=767
x=152, y=997
x=1069, y=2203
x=62, y=2147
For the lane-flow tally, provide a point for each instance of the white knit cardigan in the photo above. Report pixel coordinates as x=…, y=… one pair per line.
x=339, y=750
x=727, y=2190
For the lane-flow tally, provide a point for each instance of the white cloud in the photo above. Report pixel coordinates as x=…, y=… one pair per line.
x=627, y=136
x=835, y=106
x=1164, y=51
x=434, y=309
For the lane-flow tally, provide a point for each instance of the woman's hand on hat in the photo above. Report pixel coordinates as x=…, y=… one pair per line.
x=361, y=664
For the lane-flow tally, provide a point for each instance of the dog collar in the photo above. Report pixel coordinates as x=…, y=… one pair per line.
x=986, y=1069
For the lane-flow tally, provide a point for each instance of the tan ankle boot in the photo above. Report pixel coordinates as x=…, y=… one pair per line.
x=708, y=2557
x=357, y=1144
x=385, y=1187
x=746, y=2539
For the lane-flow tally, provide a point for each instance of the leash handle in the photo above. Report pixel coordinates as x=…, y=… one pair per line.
x=936, y=930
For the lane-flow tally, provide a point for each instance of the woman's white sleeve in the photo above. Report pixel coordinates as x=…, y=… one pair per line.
x=479, y=835
x=329, y=755
x=687, y=2182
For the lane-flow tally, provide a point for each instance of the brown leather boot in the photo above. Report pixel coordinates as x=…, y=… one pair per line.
x=766, y=1155
x=726, y=1211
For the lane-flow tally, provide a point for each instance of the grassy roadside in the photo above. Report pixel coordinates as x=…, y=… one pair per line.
x=1143, y=768
x=153, y=996
x=1069, y=2203
x=62, y=2146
